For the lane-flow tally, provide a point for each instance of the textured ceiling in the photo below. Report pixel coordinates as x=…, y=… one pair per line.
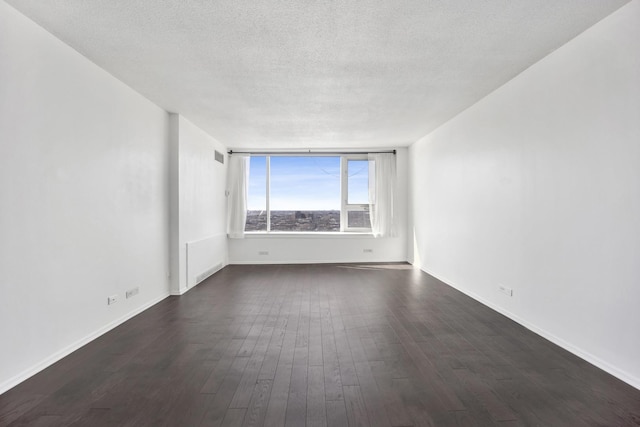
x=310, y=74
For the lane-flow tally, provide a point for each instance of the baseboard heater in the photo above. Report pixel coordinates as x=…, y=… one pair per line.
x=205, y=274
x=204, y=258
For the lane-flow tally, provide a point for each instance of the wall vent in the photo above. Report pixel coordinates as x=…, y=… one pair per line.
x=200, y=277
x=219, y=157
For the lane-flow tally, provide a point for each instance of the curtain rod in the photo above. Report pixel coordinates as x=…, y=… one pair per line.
x=328, y=153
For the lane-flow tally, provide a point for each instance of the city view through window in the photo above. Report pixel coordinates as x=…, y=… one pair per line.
x=305, y=194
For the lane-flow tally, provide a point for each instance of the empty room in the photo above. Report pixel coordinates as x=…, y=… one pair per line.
x=320, y=213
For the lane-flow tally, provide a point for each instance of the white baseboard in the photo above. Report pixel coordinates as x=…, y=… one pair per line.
x=594, y=360
x=28, y=373
x=309, y=261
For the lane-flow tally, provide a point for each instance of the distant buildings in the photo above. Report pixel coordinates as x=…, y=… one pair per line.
x=294, y=221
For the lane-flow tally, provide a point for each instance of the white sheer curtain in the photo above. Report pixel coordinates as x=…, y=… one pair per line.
x=382, y=183
x=237, y=177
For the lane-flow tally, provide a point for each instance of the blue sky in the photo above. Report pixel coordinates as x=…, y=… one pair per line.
x=304, y=183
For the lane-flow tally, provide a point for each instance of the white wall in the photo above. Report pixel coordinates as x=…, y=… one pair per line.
x=537, y=187
x=199, y=208
x=330, y=249
x=83, y=195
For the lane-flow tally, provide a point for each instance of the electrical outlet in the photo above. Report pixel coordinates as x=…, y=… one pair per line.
x=505, y=290
x=263, y=252
x=367, y=251
x=112, y=299
x=132, y=292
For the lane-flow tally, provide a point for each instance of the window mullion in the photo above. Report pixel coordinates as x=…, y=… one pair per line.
x=268, y=192
x=343, y=193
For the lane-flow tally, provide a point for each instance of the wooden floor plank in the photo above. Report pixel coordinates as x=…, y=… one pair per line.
x=316, y=406
x=345, y=360
x=243, y=394
x=216, y=412
x=234, y=417
x=257, y=409
x=336, y=414
x=16, y=407
x=277, y=406
x=394, y=407
x=297, y=402
x=222, y=367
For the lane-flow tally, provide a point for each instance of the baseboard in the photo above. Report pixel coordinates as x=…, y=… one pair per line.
x=585, y=355
x=28, y=373
x=308, y=261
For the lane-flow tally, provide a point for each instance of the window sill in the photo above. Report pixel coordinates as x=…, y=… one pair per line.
x=308, y=235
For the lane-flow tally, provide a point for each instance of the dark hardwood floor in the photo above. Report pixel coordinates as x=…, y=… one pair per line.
x=316, y=345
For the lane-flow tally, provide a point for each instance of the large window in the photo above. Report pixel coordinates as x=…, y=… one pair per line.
x=308, y=193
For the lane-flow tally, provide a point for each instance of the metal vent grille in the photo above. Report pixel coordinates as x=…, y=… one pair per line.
x=219, y=157
x=200, y=277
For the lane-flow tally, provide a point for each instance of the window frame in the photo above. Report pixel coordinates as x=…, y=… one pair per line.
x=345, y=207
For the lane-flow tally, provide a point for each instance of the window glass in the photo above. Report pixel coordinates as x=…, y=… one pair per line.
x=358, y=182
x=358, y=219
x=257, y=195
x=305, y=193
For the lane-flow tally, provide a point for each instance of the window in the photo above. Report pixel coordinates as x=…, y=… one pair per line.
x=308, y=193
